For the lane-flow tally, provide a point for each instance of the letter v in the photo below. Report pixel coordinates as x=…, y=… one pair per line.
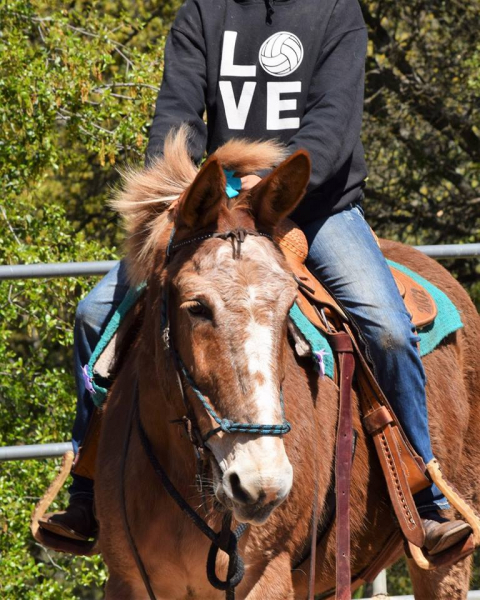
x=237, y=115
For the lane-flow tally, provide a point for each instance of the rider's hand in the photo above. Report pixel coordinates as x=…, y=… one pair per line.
x=249, y=181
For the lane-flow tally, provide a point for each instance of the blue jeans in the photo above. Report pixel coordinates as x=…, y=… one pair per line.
x=92, y=316
x=346, y=258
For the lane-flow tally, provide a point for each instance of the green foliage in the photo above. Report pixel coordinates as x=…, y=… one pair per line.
x=422, y=124
x=78, y=82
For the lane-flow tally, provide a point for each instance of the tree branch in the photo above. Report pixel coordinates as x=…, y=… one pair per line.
x=414, y=91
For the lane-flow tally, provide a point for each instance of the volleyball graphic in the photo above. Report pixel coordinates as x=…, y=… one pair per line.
x=281, y=54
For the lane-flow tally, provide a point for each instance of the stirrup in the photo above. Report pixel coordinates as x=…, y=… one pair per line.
x=59, y=543
x=463, y=548
x=52, y=540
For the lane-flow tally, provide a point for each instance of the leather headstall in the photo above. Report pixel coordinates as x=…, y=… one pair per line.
x=237, y=237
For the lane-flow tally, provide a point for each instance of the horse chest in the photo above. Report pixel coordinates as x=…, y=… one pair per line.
x=177, y=557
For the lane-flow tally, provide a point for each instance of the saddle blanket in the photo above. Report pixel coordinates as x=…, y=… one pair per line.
x=96, y=373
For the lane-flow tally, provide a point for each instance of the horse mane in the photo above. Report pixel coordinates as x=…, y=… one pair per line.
x=147, y=193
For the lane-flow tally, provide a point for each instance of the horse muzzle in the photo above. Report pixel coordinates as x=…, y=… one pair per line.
x=253, y=495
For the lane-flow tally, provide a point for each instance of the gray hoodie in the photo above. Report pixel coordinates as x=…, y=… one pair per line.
x=286, y=69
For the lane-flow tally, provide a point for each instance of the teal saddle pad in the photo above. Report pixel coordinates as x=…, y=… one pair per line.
x=446, y=322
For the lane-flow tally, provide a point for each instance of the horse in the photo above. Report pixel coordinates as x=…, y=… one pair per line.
x=228, y=325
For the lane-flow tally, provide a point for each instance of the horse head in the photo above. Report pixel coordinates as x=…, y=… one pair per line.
x=228, y=303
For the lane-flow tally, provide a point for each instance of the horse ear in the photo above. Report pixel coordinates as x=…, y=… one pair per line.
x=201, y=202
x=278, y=194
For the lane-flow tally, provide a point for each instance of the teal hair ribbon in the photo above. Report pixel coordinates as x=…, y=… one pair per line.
x=234, y=184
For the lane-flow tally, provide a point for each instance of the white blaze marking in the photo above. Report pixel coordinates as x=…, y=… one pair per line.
x=259, y=351
x=260, y=461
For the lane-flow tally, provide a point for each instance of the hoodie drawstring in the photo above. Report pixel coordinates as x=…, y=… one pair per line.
x=270, y=11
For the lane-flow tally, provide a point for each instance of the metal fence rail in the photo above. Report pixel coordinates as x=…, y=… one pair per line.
x=474, y=595
x=36, y=451
x=445, y=251
x=63, y=269
x=81, y=269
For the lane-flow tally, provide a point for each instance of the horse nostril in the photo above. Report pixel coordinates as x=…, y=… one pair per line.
x=240, y=493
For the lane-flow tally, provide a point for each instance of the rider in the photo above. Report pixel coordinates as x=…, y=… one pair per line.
x=291, y=70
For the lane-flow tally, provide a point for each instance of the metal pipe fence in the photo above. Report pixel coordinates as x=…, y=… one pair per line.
x=474, y=595
x=34, y=451
x=64, y=269
x=82, y=269
x=447, y=251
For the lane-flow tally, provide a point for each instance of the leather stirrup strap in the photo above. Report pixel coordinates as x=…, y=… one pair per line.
x=343, y=465
x=85, y=460
x=402, y=467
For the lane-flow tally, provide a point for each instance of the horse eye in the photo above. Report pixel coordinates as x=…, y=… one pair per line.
x=198, y=309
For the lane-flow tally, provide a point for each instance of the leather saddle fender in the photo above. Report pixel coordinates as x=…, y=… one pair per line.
x=404, y=470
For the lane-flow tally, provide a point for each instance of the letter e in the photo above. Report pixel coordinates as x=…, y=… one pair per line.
x=275, y=105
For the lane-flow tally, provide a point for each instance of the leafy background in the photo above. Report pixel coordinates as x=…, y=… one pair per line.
x=78, y=82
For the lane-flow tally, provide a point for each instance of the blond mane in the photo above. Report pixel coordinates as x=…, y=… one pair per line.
x=147, y=193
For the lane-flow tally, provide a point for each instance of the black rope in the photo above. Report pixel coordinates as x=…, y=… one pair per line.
x=236, y=569
x=126, y=526
x=226, y=540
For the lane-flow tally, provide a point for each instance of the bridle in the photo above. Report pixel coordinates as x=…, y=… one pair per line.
x=226, y=539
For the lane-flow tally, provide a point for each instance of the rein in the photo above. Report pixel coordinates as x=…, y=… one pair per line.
x=226, y=540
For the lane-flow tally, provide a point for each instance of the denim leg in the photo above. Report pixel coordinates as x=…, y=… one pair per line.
x=92, y=316
x=346, y=258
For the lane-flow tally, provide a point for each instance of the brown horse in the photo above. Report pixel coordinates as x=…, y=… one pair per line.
x=228, y=323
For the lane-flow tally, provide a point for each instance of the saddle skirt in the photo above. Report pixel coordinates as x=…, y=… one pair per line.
x=293, y=243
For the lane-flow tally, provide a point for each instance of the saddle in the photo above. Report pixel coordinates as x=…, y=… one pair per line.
x=404, y=470
x=293, y=243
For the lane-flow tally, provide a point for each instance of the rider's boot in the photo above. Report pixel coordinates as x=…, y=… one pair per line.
x=441, y=533
x=78, y=520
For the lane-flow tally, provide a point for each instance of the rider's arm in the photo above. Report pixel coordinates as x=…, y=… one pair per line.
x=182, y=95
x=330, y=127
